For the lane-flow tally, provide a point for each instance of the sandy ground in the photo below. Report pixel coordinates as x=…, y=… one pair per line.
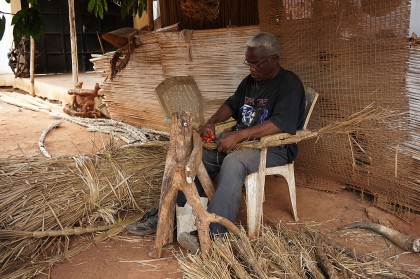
x=126, y=256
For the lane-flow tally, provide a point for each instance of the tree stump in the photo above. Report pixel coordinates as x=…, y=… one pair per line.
x=183, y=164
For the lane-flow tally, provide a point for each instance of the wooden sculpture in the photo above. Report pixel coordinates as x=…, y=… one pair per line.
x=83, y=104
x=183, y=164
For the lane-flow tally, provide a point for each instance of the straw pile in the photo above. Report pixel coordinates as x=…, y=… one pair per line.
x=63, y=196
x=283, y=253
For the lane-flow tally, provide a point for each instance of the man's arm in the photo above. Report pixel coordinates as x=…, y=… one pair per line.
x=222, y=114
x=230, y=140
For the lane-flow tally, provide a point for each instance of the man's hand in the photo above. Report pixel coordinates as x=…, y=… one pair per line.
x=207, y=129
x=222, y=114
x=228, y=142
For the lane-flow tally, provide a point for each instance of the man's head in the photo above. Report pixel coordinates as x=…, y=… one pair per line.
x=262, y=56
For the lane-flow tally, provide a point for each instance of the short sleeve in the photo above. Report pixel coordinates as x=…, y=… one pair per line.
x=287, y=114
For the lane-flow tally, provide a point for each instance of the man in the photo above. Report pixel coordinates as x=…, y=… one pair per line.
x=268, y=101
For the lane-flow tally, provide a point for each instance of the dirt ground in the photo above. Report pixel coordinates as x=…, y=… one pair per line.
x=126, y=256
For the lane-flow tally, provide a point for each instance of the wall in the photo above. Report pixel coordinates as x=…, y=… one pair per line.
x=415, y=17
x=6, y=42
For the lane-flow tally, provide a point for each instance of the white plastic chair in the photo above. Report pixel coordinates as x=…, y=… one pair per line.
x=182, y=93
x=254, y=183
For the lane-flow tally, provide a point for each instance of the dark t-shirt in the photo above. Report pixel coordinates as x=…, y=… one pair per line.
x=280, y=100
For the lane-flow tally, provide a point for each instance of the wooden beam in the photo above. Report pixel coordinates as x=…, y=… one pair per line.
x=73, y=42
x=151, y=22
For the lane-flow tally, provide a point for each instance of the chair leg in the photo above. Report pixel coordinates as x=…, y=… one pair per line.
x=254, y=185
x=290, y=177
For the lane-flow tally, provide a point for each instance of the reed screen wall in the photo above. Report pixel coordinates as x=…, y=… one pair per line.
x=354, y=53
x=216, y=66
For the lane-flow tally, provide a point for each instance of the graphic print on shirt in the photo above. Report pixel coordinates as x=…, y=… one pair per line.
x=253, y=112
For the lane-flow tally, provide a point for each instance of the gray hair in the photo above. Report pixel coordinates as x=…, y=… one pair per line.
x=267, y=41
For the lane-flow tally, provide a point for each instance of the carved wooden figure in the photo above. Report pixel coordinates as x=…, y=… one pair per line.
x=183, y=164
x=83, y=101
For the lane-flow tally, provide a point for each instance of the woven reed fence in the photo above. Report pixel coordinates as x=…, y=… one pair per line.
x=355, y=53
x=215, y=64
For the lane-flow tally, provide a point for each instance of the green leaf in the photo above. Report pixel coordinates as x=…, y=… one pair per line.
x=2, y=26
x=18, y=15
x=125, y=7
x=105, y=4
x=98, y=7
x=100, y=10
x=91, y=5
x=27, y=22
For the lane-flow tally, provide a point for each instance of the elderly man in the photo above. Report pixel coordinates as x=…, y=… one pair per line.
x=269, y=100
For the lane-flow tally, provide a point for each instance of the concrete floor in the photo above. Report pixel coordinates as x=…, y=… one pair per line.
x=51, y=86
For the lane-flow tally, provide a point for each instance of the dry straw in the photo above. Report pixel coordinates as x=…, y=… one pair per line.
x=283, y=253
x=374, y=117
x=43, y=201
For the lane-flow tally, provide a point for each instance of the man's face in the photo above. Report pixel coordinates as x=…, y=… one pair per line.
x=261, y=65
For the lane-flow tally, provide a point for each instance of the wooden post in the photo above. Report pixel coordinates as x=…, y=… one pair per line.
x=73, y=42
x=183, y=163
x=151, y=22
x=32, y=65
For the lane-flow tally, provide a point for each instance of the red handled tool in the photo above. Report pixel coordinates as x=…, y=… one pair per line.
x=210, y=136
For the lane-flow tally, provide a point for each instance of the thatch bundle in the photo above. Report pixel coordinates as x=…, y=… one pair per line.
x=283, y=253
x=68, y=195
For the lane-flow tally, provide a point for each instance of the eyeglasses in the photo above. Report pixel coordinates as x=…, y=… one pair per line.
x=256, y=65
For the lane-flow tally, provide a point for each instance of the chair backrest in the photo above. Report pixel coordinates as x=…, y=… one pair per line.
x=181, y=94
x=310, y=99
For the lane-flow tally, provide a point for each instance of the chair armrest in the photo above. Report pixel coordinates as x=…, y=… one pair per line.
x=271, y=140
x=277, y=139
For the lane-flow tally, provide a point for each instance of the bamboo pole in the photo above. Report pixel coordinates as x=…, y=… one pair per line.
x=150, y=15
x=32, y=65
x=73, y=41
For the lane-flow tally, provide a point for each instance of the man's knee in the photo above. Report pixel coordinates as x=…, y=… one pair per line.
x=242, y=160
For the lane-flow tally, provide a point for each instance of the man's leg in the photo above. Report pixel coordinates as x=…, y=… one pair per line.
x=235, y=167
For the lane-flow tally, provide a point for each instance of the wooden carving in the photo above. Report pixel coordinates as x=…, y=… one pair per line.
x=183, y=164
x=83, y=104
